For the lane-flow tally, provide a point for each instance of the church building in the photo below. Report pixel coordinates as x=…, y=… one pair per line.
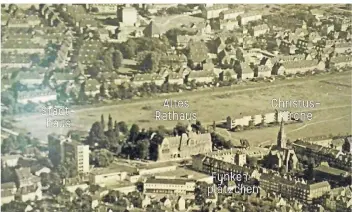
x=281, y=155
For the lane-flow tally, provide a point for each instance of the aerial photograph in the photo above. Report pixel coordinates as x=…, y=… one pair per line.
x=176, y=107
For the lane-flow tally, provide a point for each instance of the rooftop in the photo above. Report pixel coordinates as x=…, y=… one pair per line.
x=331, y=170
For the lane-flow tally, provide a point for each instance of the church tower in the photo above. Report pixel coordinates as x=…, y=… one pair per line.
x=281, y=137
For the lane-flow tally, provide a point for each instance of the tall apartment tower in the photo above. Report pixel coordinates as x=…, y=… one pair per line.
x=281, y=137
x=62, y=148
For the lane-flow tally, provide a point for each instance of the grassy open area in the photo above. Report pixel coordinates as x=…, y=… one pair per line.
x=174, y=21
x=210, y=105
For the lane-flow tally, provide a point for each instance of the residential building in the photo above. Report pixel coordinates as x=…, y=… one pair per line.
x=294, y=67
x=200, y=76
x=244, y=71
x=92, y=87
x=173, y=60
x=230, y=14
x=214, y=11
x=89, y=52
x=23, y=47
x=104, y=8
x=245, y=18
x=11, y=60
x=175, y=78
x=27, y=183
x=165, y=185
x=8, y=192
x=335, y=176
x=36, y=96
x=341, y=61
x=140, y=79
x=197, y=53
x=259, y=30
x=186, y=145
x=342, y=48
x=262, y=71
x=335, y=158
x=291, y=188
x=9, y=160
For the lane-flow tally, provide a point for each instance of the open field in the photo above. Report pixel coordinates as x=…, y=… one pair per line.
x=173, y=21
x=217, y=105
x=324, y=122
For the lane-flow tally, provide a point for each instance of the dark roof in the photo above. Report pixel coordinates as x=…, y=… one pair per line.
x=331, y=171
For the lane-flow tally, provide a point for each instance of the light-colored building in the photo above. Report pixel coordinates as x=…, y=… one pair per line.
x=140, y=79
x=36, y=96
x=9, y=160
x=245, y=18
x=259, y=30
x=62, y=148
x=214, y=11
x=129, y=16
x=200, y=76
x=341, y=61
x=101, y=176
x=8, y=191
x=186, y=145
x=163, y=185
x=230, y=14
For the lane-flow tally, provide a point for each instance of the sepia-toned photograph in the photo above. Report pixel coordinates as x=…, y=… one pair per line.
x=176, y=107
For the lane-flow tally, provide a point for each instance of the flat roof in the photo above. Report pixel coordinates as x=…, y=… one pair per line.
x=113, y=168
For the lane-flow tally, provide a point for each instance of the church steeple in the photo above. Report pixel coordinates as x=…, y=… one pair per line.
x=281, y=136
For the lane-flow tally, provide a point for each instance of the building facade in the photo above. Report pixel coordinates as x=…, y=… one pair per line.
x=186, y=145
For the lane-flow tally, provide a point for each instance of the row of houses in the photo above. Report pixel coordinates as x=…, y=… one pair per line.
x=287, y=187
x=267, y=118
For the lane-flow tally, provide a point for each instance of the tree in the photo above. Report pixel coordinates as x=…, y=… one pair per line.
x=93, y=71
x=35, y=58
x=108, y=59
x=7, y=175
x=102, y=158
x=149, y=61
x=123, y=127
x=143, y=148
x=103, y=90
x=117, y=59
x=134, y=132
x=102, y=122
x=96, y=136
x=9, y=144
x=128, y=49
x=110, y=123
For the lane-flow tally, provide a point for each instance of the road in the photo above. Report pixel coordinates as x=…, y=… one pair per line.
x=205, y=92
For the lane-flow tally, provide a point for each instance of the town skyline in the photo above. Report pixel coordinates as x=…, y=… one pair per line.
x=176, y=107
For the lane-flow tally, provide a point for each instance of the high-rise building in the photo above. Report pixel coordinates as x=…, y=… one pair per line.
x=62, y=148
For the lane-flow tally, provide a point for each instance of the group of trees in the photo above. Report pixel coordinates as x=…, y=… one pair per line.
x=220, y=142
x=112, y=59
x=17, y=143
x=99, y=138
x=101, y=158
